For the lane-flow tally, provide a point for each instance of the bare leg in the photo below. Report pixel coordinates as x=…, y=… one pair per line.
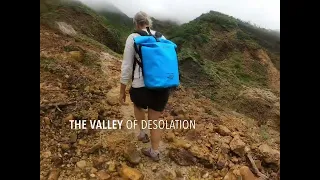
x=155, y=133
x=140, y=115
x=153, y=152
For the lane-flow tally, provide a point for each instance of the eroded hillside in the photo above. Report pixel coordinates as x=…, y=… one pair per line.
x=79, y=79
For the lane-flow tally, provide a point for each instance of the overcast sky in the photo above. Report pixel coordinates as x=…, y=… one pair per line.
x=265, y=13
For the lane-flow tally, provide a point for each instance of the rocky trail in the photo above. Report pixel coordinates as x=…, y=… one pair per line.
x=79, y=79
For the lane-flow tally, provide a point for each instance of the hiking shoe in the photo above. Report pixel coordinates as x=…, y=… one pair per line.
x=144, y=139
x=147, y=152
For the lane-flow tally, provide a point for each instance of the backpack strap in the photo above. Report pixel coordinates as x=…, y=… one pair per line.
x=148, y=29
x=136, y=61
x=158, y=34
x=138, y=49
x=141, y=33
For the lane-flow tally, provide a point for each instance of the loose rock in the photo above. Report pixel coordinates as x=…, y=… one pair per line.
x=94, y=148
x=221, y=164
x=223, y=130
x=42, y=177
x=230, y=176
x=167, y=174
x=132, y=155
x=246, y=173
x=112, y=100
x=97, y=162
x=46, y=120
x=206, y=175
x=82, y=142
x=225, y=148
x=170, y=136
x=273, y=174
x=93, y=170
x=68, y=118
x=54, y=174
x=230, y=164
x=178, y=111
x=270, y=155
x=206, y=163
x=154, y=168
x=234, y=160
x=223, y=172
x=74, y=159
x=225, y=139
x=47, y=154
x=215, y=175
x=103, y=175
x=81, y=164
x=65, y=147
x=57, y=161
x=130, y=173
x=180, y=143
x=238, y=146
x=182, y=157
x=112, y=166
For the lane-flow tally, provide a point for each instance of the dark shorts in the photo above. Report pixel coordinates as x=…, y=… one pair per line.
x=147, y=98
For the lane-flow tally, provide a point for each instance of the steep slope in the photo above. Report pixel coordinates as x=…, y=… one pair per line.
x=221, y=56
x=87, y=23
x=79, y=79
x=113, y=16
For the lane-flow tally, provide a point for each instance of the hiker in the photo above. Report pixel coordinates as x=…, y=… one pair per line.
x=143, y=97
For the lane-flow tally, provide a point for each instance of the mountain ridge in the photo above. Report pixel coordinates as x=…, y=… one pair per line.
x=229, y=86
x=228, y=52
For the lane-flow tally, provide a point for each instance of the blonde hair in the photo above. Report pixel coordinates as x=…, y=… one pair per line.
x=142, y=18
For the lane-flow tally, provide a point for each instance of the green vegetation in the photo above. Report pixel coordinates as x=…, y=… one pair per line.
x=216, y=43
x=217, y=52
x=165, y=26
x=88, y=22
x=264, y=133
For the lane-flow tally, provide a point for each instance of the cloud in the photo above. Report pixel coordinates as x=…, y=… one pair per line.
x=264, y=13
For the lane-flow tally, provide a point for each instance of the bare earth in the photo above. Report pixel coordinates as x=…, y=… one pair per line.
x=78, y=71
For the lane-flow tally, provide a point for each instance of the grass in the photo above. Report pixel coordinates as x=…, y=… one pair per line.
x=88, y=23
x=89, y=40
x=217, y=41
x=91, y=60
x=227, y=76
x=263, y=132
x=70, y=48
x=50, y=65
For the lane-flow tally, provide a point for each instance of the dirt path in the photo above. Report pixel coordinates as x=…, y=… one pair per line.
x=67, y=154
x=166, y=167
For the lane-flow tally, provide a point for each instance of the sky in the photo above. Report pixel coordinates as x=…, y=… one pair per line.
x=264, y=13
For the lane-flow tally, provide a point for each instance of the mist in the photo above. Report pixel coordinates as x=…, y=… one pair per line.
x=263, y=13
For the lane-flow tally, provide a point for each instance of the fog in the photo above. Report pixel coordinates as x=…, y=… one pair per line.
x=264, y=13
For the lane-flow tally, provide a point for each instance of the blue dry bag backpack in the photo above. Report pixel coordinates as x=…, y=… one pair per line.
x=158, y=60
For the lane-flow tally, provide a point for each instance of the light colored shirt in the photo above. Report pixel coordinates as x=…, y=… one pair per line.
x=127, y=63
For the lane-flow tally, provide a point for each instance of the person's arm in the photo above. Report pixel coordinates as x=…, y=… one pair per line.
x=126, y=67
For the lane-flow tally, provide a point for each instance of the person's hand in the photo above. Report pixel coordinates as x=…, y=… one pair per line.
x=122, y=98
